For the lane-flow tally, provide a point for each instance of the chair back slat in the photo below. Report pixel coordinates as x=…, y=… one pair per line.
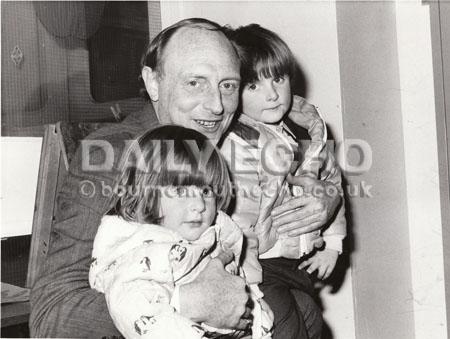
x=44, y=204
x=58, y=149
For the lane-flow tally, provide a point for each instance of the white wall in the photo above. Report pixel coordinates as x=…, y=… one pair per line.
x=388, y=99
x=20, y=158
x=310, y=31
x=422, y=172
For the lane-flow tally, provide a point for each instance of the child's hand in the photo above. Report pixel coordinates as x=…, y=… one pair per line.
x=232, y=268
x=323, y=261
x=302, y=113
x=268, y=313
x=225, y=257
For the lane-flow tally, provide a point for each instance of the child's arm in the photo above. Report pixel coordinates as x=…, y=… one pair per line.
x=262, y=314
x=324, y=261
x=328, y=190
x=319, y=163
x=139, y=289
x=231, y=241
x=242, y=160
x=337, y=230
x=306, y=115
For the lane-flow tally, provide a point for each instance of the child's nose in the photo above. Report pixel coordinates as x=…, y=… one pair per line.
x=272, y=94
x=197, y=202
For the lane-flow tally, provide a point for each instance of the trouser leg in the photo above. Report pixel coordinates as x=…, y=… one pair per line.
x=311, y=313
x=288, y=324
x=281, y=277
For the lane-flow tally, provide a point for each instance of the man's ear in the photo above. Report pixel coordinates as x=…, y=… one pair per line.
x=150, y=78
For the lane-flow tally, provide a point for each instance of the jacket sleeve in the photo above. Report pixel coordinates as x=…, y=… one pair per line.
x=308, y=117
x=245, y=248
x=62, y=303
x=138, y=287
x=337, y=229
x=274, y=164
x=242, y=160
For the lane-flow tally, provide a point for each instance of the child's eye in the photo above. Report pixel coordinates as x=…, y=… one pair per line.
x=251, y=87
x=207, y=192
x=278, y=80
x=181, y=191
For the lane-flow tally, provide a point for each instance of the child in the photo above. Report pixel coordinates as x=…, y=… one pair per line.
x=169, y=225
x=261, y=138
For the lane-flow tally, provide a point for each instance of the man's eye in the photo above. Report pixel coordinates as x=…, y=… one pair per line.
x=229, y=87
x=278, y=80
x=193, y=83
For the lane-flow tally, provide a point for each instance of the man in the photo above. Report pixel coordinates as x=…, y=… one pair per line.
x=192, y=76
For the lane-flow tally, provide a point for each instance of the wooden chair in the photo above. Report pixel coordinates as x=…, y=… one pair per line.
x=58, y=148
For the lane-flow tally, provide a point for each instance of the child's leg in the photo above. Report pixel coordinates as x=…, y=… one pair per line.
x=288, y=323
x=280, y=277
x=311, y=313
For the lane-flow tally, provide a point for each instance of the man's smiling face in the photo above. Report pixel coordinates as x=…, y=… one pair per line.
x=199, y=84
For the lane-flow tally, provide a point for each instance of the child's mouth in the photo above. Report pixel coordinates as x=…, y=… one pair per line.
x=194, y=223
x=273, y=108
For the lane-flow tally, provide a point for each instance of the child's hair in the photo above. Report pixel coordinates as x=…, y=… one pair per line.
x=262, y=53
x=170, y=156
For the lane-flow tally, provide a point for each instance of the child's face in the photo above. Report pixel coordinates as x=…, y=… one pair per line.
x=268, y=99
x=188, y=210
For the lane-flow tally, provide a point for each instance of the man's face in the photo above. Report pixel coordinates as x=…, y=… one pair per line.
x=199, y=84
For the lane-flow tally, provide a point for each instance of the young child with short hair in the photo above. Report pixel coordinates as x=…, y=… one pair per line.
x=170, y=223
x=262, y=140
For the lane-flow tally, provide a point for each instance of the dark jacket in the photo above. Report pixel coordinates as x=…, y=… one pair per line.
x=62, y=302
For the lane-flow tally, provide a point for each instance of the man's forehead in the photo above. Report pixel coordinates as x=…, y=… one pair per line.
x=197, y=33
x=197, y=39
x=196, y=47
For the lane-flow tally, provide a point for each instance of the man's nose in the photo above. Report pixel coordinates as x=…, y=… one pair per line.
x=213, y=102
x=271, y=94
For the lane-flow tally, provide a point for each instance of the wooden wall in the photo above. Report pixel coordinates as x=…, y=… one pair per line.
x=53, y=79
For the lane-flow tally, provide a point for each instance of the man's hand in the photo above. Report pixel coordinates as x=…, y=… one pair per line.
x=217, y=298
x=323, y=261
x=308, y=212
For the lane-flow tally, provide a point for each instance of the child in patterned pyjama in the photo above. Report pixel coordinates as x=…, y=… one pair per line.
x=169, y=225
